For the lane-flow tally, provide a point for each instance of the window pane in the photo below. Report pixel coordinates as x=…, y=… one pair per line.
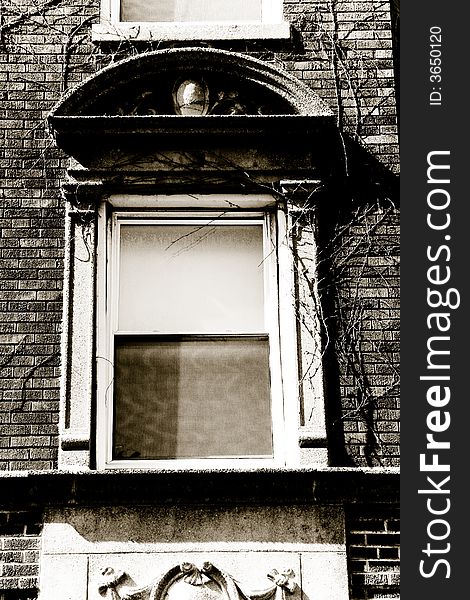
x=191, y=397
x=191, y=278
x=190, y=10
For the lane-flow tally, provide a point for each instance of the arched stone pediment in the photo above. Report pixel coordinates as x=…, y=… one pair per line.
x=121, y=116
x=236, y=84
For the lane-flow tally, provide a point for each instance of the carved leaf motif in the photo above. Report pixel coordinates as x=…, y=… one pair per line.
x=110, y=579
x=194, y=575
x=285, y=579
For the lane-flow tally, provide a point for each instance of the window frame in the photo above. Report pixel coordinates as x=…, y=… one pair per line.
x=270, y=26
x=282, y=356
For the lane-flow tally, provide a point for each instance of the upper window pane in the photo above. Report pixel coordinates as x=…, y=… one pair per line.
x=190, y=10
x=201, y=277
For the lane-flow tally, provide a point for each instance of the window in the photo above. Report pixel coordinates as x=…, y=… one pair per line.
x=151, y=149
x=191, y=19
x=189, y=356
x=192, y=10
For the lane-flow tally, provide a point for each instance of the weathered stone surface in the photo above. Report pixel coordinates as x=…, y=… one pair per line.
x=155, y=529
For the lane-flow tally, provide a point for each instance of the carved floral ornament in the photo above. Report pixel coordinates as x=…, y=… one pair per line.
x=198, y=95
x=223, y=82
x=189, y=582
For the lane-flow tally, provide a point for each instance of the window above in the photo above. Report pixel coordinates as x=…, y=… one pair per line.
x=191, y=20
x=184, y=11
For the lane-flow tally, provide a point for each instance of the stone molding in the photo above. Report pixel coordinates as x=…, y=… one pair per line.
x=152, y=66
x=275, y=485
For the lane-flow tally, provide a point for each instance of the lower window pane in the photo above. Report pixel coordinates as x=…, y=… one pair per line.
x=196, y=397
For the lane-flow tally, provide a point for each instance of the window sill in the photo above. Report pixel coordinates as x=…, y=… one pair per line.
x=207, y=465
x=303, y=485
x=145, y=32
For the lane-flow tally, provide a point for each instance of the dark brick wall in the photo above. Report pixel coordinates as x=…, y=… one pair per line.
x=19, y=554
x=345, y=55
x=31, y=276
x=368, y=333
x=31, y=234
x=373, y=551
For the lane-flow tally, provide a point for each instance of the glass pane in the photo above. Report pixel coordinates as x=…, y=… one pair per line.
x=190, y=10
x=191, y=278
x=191, y=397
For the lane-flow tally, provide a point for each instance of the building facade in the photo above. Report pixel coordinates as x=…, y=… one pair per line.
x=199, y=339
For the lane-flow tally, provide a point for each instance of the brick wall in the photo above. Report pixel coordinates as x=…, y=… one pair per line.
x=30, y=297
x=344, y=55
x=367, y=335
x=31, y=235
x=19, y=554
x=373, y=551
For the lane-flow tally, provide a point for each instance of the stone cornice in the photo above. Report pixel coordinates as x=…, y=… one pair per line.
x=266, y=486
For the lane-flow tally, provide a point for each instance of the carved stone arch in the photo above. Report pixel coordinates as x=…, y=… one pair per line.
x=113, y=89
x=189, y=573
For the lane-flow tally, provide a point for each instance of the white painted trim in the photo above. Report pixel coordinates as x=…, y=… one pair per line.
x=104, y=371
x=288, y=339
x=186, y=201
x=272, y=324
x=272, y=11
x=107, y=31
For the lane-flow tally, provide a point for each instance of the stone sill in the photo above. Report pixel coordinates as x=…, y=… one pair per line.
x=190, y=32
x=223, y=486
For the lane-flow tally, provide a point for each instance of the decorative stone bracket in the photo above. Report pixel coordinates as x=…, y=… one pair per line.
x=208, y=583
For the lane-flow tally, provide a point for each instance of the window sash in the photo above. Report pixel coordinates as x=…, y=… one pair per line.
x=201, y=233
x=271, y=12
x=196, y=397
x=105, y=400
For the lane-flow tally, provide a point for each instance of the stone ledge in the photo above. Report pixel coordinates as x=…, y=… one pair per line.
x=145, y=32
x=74, y=133
x=267, y=486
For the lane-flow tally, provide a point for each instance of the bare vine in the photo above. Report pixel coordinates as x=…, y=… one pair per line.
x=362, y=326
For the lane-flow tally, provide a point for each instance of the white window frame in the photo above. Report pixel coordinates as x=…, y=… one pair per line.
x=271, y=26
x=280, y=318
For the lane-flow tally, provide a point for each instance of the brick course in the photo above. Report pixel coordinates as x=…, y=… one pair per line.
x=373, y=551
x=19, y=554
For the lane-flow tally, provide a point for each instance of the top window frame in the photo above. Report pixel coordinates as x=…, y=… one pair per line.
x=111, y=28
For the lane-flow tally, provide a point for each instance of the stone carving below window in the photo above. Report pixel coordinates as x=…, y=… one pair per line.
x=190, y=582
